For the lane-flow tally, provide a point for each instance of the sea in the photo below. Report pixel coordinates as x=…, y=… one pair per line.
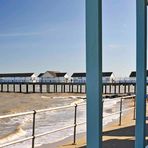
x=20, y=127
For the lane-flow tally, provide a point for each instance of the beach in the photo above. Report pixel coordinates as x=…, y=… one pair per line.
x=18, y=128
x=110, y=128
x=114, y=136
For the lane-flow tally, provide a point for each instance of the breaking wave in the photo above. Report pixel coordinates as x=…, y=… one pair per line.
x=17, y=133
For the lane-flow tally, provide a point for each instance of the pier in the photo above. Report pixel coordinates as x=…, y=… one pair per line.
x=25, y=87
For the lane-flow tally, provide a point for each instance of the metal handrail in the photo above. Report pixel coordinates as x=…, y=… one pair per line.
x=119, y=112
x=16, y=115
x=81, y=123
x=56, y=108
x=39, y=111
x=60, y=129
x=124, y=97
x=33, y=113
x=17, y=141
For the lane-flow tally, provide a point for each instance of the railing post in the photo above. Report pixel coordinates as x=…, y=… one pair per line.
x=75, y=124
x=33, y=129
x=120, y=117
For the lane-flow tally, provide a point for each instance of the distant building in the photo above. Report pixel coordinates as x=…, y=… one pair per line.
x=17, y=77
x=40, y=74
x=79, y=77
x=108, y=77
x=53, y=76
x=132, y=76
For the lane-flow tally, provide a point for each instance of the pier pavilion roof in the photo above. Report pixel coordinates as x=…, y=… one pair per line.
x=16, y=74
x=105, y=74
x=79, y=75
x=133, y=74
x=61, y=74
x=57, y=73
x=53, y=73
x=40, y=74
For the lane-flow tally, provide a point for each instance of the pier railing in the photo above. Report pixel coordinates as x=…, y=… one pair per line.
x=74, y=125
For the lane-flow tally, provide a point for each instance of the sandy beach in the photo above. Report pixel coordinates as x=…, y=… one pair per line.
x=114, y=136
x=20, y=127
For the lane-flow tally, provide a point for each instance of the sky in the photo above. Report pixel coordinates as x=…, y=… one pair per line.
x=41, y=35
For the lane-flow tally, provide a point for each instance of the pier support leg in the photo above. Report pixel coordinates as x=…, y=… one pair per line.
x=20, y=88
x=110, y=88
x=7, y=87
x=72, y=87
x=26, y=88
x=41, y=88
x=124, y=88
x=115, y=88
x=64, y=88
x=129, y=88
x=14, y=88
x=1, y=87
x=119, y=89
x=33, y=88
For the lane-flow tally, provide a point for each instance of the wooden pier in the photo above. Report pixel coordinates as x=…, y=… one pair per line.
x=108, y=88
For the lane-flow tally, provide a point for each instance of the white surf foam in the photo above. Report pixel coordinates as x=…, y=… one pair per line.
x=18, y=132
x=52, y=120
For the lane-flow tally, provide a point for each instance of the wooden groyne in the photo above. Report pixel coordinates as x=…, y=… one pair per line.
x=108, y=88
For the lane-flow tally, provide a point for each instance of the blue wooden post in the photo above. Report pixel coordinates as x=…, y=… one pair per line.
x=141, y=73
x=94, y=72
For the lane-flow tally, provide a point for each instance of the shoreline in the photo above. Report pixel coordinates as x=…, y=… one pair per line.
x=81, y=138
x=68, y=140
x=25, y=102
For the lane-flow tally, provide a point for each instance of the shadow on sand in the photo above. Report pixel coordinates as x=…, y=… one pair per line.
x=120, y=138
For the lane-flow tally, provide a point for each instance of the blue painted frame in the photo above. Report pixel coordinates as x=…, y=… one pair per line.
x=141, y=65
x=94, y=72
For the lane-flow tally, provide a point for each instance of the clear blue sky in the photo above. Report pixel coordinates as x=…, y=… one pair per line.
x=40, y=35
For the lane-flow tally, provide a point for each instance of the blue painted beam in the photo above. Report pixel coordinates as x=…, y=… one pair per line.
x=141, y=73
x=94, y=72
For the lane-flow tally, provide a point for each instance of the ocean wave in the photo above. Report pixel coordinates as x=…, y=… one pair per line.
x=22, y=120
x=77, y=97
x=60, y=97
x=46, y=97
x=17, y=133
